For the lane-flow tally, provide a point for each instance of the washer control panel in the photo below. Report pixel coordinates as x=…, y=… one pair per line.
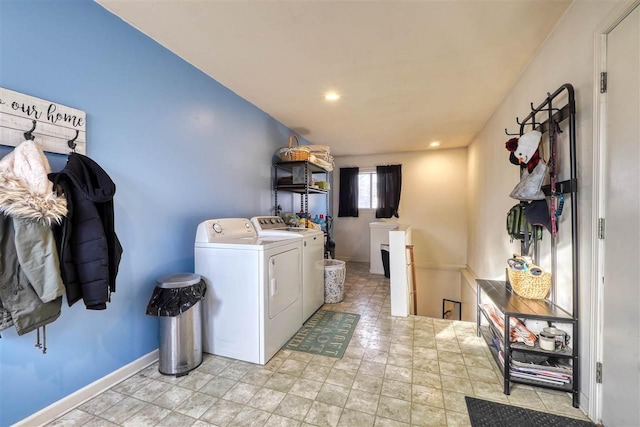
x=225, y=228
x=268, y=223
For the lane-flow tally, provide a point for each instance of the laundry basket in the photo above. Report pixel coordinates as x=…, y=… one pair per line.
x=334, y=273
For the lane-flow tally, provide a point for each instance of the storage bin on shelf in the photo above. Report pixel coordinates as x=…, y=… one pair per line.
x=531, y=282
x=294, y=153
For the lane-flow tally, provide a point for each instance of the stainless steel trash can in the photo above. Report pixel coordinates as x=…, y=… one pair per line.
x=181, y=334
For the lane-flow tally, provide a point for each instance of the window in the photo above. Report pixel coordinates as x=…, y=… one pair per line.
x=367, y=189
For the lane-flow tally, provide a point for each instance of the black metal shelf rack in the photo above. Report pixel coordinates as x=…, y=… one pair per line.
x=512, y=305
x=304, y=189
x=557, y=108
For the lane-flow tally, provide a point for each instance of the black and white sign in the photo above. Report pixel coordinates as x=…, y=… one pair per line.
x=55, y=124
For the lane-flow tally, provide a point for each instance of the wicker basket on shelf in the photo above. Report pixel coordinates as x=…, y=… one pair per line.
x=529, y=285
x=291, y=153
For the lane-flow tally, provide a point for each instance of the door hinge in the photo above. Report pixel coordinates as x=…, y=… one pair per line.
x=599, y=372
x=603, y=82
x=600, y=228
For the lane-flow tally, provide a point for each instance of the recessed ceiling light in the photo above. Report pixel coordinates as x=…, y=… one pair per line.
x=332, y=96
x=435, y=144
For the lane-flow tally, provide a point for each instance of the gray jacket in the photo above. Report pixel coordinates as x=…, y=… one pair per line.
x=19, y=297
x=30, y=285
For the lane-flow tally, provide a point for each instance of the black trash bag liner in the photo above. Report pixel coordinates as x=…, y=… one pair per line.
x=175, y=301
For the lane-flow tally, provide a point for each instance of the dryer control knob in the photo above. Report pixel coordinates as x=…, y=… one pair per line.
x=217, y=228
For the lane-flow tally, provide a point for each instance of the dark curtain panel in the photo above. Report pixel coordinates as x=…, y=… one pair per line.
x=348, y=197
x=389, y=185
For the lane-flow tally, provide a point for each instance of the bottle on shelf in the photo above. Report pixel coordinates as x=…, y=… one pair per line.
x=323, y=223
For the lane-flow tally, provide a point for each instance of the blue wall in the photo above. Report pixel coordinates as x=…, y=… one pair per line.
x=180, y=147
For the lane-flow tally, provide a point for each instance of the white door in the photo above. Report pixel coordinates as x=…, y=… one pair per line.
x=284, y=281
x=621, y=288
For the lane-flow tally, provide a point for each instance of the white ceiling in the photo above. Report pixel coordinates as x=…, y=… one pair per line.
x=409, y=72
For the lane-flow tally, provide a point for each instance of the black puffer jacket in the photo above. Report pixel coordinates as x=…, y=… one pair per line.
x=87, y=243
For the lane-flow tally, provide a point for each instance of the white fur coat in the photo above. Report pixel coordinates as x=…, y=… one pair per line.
x=25, y=189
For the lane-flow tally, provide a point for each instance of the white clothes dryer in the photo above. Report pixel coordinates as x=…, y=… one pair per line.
x=312, y=258
x=253, y=304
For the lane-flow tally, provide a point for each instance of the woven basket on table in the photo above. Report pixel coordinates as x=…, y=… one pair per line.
x=528, y=285
x=291, y=153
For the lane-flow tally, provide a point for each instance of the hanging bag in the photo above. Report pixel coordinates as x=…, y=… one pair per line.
x=530, y=185
x=537, y=213
x=518, y=228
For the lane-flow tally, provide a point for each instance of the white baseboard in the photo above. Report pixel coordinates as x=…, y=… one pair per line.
x=86, y=393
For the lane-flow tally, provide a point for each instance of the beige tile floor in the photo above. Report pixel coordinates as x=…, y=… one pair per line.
x=396, y=372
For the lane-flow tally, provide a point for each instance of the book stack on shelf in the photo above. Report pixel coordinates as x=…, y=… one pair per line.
x=550, y=372
x=532, y=363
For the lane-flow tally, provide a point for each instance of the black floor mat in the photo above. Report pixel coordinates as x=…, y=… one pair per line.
x=484, y=413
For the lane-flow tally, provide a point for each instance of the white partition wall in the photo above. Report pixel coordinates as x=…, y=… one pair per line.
x=400, y=268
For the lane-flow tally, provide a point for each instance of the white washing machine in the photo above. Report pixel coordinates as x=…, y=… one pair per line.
x=253, y=304
x=312, y=258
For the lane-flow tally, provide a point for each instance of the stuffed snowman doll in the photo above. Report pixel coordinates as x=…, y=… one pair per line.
x=524, y=150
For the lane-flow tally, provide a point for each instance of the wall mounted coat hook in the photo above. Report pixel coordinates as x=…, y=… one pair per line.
x=510, y=134
x=532, y=123
x=72, y=142
x=28, y=134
